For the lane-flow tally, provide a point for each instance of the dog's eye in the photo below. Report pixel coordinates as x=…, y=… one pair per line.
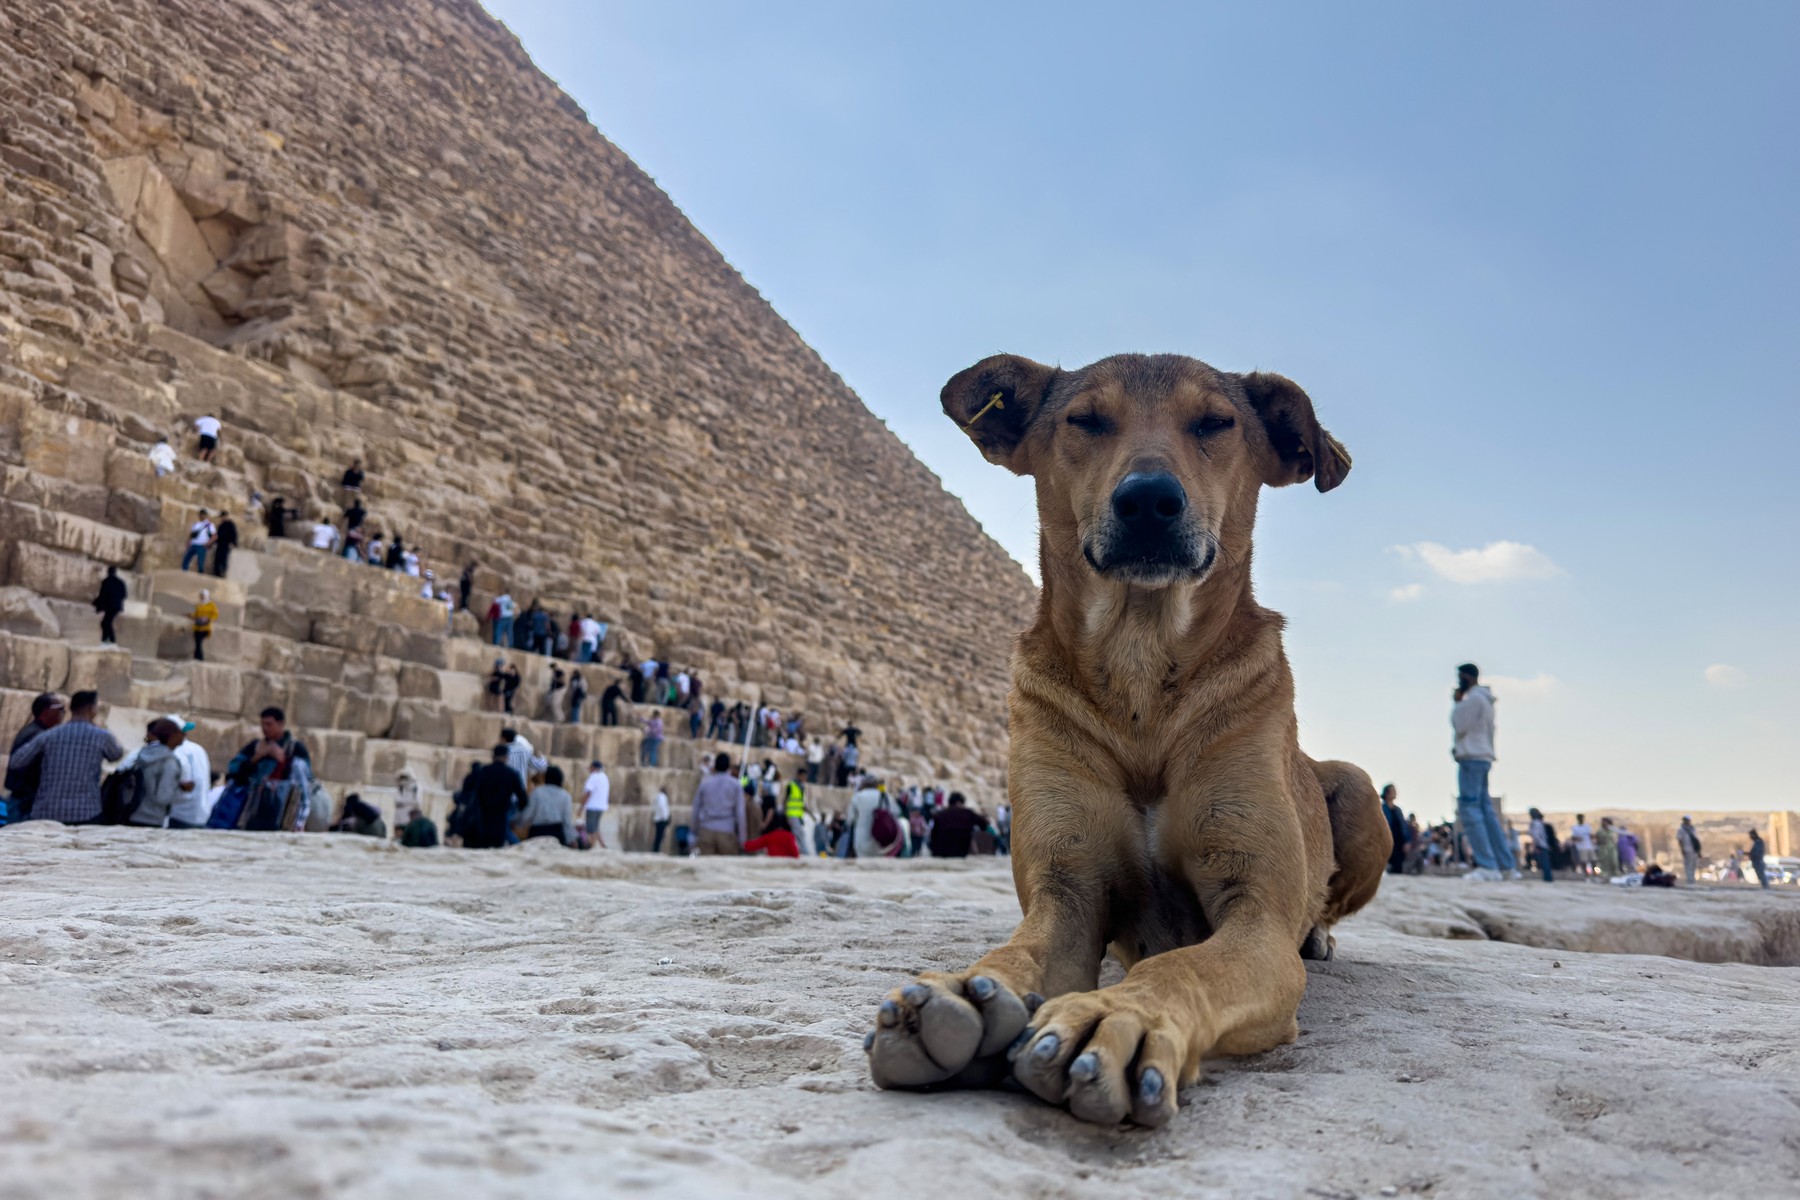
x=1090, y=422
x=1206, y=426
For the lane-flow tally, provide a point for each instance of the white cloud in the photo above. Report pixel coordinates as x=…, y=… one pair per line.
x=1407, y=591
x=1538, y=687
x=1725, y=676
x=1491, y=563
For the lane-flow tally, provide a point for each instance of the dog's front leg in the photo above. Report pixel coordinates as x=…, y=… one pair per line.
x=1125, y=1051
x=953, y=1028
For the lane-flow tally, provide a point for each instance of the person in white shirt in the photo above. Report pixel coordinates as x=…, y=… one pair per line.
x=590, y=640
x=518, y=754
x=682, y=683
x=162, y=458
x=208, y=428
x=191, y=809
x=659, y=811
x=1472, y=720
x=324, y=536
x=409, y=562
x=200, y=536
x=425, y=590
x=1581, y=841
x=596, y=794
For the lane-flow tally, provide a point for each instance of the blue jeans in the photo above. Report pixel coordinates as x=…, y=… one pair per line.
x=1481, y=824
x=195, y=554
x=651, y=752
x=502, y=630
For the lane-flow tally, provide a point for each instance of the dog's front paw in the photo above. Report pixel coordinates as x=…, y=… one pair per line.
x=948, y=1030
x=1105, y=1057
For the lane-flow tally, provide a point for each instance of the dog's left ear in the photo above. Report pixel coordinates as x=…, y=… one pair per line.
x=1303, y=450
x=994, y=402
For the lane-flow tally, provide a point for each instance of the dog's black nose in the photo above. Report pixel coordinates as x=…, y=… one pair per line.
x=1148, y=500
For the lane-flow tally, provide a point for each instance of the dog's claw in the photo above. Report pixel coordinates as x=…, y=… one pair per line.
x=888, y=1015
x=868, y=1041
x=982, y=988
x=1046, y=1048
x=1033, y=1002
x=916, y=995
x=1150, y=1088
x=1085, y=1068
x=1018, y=1043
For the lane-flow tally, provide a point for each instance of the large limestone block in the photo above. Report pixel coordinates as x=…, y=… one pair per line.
x=339, y=756
x=330, y=663
x=411, y=645
x=317, y=704
x=264, y=689
x=617, y=744
x=51, y=572
x=65, y=446
x=422, y=721
x=215, y=688
x=345, y=632
x=476, y=731
x=180, y=590
x=259, y=574
x=23, y=611
x=33, y=664
x=276, y=617
x=102, y=669
x=420, y=682
x=432, y=766
x=573, y=741
x=380, y=596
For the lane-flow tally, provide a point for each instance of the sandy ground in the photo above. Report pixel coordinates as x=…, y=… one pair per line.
x=247, y=1015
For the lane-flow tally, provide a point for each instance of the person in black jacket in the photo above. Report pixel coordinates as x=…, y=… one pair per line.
x=498, y=789
x=225, y=539
x=953, y=832
x=1397, y=827
x=111, y=602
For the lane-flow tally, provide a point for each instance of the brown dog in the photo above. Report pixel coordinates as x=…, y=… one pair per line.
x=1161, y=803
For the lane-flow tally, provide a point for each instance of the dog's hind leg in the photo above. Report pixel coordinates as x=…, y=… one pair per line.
x=1360, y=841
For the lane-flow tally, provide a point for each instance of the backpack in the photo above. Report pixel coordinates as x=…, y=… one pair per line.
x=120, y=794
x=230, y=808
x=884, y=828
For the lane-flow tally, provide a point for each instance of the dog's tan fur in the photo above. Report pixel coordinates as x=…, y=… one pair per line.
x=1161, y=802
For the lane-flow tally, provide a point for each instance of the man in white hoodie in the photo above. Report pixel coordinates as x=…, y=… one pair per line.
x=1472, y=719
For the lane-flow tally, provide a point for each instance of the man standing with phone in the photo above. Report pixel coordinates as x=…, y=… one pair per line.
x=1472, y=719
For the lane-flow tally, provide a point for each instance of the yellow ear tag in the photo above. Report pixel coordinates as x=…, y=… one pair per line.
x=994, y=401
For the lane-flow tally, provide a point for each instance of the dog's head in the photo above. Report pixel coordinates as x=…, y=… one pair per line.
x=1150, y=463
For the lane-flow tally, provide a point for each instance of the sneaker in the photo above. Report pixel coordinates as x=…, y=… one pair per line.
x=1514, y=874
x=1481, y=875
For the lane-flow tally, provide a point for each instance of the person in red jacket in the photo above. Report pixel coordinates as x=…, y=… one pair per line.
x=778, y=842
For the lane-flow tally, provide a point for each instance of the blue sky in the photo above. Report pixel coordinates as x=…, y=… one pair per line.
x=1537, y=264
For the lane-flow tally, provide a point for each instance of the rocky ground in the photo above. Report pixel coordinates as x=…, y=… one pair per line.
x=253, y=1015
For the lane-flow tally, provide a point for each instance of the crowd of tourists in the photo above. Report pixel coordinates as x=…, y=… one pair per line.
x=1483, y=845
x=57, y=770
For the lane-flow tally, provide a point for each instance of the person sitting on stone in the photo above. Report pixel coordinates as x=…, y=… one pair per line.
x=548, y=812
x=360, y=817
x=420, y=832
x=162, y=457
x=353, y=478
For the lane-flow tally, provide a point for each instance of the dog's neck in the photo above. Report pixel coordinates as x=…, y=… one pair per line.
x=1132, y=646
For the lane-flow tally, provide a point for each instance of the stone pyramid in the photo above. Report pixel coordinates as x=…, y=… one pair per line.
x=374, y=229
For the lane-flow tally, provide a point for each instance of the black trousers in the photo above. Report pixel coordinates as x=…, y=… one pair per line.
x=221, y=557
x=106, y=627
x=200, y=637
x=609, y=713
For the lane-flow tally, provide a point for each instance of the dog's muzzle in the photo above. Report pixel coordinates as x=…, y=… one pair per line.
x=1149, y=536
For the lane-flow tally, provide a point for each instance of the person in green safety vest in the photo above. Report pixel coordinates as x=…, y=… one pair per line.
x=795, y=810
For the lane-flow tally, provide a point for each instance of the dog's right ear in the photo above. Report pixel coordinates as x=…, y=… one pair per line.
x=995, y=402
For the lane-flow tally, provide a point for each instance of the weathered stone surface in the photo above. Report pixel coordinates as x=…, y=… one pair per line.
x=23, y=611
